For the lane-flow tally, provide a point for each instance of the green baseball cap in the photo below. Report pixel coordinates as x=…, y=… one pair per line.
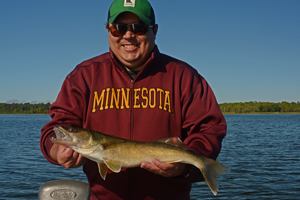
x=141, y=8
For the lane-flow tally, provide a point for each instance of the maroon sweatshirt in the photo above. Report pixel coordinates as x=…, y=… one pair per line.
x=167, y=98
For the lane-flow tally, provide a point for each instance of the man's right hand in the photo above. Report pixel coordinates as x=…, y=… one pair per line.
x=66, y=156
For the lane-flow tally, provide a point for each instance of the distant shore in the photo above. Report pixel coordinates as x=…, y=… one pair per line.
x=258, y=113
x=251, y=107
x=225, y=113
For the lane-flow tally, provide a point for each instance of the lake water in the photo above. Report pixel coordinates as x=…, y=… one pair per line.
x=262, y=151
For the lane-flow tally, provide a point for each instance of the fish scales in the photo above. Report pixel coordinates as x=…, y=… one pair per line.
x=132, y=153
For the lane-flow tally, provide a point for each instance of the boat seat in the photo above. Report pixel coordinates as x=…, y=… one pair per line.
x=64, y=189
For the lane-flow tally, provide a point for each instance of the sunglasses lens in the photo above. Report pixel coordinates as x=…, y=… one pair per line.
x=119, y=29
x=115, y=32
x=140, y=29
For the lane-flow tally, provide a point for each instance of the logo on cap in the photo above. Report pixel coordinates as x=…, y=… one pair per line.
x=129, y=3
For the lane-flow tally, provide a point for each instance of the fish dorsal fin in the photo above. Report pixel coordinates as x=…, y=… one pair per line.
x=113, y=165
x=112, y=142
x=174, y=141
x=102, y=170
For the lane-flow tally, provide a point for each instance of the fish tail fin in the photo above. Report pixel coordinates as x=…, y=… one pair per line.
x=210, y=170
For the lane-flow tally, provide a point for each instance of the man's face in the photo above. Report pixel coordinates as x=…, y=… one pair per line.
x=132, y=50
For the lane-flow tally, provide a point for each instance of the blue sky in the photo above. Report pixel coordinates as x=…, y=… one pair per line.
x=246, y=50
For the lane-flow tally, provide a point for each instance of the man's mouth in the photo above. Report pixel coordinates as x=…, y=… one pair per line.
x=130, y=46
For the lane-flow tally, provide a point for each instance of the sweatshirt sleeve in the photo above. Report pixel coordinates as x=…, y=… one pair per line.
x=203, y=123
x=65, y=111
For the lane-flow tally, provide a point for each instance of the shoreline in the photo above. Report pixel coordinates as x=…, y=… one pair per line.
x=225, y=113
x=24, y=113
x=261, y=113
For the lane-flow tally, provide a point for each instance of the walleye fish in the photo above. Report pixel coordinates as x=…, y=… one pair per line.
x=113, y=152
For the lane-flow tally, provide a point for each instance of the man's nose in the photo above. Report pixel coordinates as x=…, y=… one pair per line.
x=129, y=34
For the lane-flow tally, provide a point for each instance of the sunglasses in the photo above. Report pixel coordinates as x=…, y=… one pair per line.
x=120, y=29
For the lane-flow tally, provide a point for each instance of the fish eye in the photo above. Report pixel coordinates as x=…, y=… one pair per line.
x=72, y=129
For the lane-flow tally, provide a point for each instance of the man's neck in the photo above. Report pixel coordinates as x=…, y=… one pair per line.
x=132, y=74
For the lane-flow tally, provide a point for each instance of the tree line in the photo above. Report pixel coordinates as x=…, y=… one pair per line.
x=24, y=108
x=260, y=107
x=242, y=107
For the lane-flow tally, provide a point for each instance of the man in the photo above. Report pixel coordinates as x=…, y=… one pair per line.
x=137, y=93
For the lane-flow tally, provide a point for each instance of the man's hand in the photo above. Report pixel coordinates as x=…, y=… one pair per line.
x=166, y=169
x=66, y=156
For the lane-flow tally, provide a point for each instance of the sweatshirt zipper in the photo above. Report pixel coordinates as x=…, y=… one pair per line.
x=131, y=117
x=131, y=107
x=131, y=130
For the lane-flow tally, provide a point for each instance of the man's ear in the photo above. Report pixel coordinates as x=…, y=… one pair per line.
x=155, y=29
x=107, y=26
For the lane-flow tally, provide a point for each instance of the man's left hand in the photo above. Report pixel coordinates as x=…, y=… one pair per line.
x=166, y=169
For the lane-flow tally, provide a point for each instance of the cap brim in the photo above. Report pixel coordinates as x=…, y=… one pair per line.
x=143, y=18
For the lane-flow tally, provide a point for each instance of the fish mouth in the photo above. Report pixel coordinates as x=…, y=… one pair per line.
x=62, y=137
x=60, y=133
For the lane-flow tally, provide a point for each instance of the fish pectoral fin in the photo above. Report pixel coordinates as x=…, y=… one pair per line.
x=113, y=165
x=102, y=170
x=175, y=161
